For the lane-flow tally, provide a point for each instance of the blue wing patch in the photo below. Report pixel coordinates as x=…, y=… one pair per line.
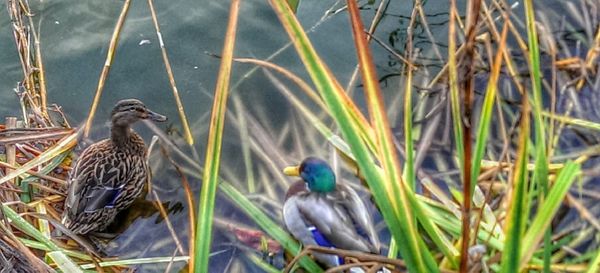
x=114, y=193
x=322, y=241
x=319, y=238
x=102, y=197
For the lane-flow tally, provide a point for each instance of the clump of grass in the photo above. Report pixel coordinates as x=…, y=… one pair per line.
x=37, y=158
x=499, y=206
x=33, y=142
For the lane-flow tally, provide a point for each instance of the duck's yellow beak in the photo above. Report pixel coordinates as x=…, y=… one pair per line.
x=292, y=171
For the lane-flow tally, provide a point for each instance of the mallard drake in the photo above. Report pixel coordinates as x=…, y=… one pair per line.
x=319, y=211
x=110, y=174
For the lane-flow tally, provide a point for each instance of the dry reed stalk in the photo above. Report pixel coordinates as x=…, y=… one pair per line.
x=188, y=196
x=186, y=127
x=9, y=166
x=165, y=215
x=467, y=80
x=11, y=152
x=355, y=259
x=107, y=64
x=25, y=144
x=33, y=88
x=309, y=91
x=8, y=137
x=591, y=57
x=374, y=23
x=16, y=256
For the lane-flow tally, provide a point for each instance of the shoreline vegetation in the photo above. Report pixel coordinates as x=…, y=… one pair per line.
x=482, y=162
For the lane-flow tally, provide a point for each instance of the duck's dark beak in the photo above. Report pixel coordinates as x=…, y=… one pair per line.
x=292, y=171
x=156, y=116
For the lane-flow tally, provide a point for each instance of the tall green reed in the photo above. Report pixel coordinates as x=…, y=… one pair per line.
x=204, y=221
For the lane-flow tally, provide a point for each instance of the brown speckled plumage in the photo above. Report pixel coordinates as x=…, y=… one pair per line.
x=110, y=174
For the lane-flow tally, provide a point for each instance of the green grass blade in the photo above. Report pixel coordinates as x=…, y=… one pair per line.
x=393, y=249
x=540, y=173
x=42, y=246
x=409, y=165
x=268, y=225
x=595, y=264
x=364, y=126
x=546, y=211
x=27, y=228
x=64, y=263
x=213, y=150
x=450, y=223
x=518, y=211
x=436, y=235
x=408, y=204
x=486, y=111
x=25, y=196
x=455, y=99
x=573, y=121
x=138, y=261
x=320, y=73
x=294, y=4
x=258, y=261
x=334, y=139
x=49, y=167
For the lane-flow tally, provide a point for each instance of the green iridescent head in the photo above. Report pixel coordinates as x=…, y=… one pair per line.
x=317, y=174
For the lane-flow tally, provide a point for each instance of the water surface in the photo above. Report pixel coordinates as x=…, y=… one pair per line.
x=74, y=38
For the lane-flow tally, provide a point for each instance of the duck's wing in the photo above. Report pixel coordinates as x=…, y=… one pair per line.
x=304, y=230
x=331, y=222
x=94, y=181
x=295, y=222
x=359, y=213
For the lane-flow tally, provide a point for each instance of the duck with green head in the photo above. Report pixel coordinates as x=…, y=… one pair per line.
x=319, y=211
x=110, y=174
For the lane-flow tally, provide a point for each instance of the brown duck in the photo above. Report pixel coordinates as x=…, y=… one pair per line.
x=110, y=174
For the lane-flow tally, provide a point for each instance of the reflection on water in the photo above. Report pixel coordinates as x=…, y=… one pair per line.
x=74, y=38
